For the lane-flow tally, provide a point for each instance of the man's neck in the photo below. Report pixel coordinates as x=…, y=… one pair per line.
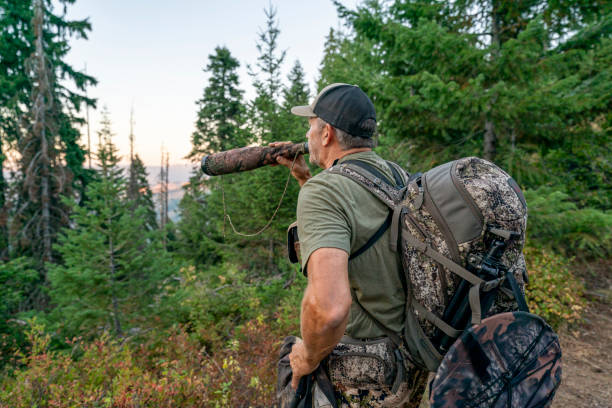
x=341, y=153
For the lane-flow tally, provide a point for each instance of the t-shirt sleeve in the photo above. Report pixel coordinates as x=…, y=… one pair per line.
x=322, y=219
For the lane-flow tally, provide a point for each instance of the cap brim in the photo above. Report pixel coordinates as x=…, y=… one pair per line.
x=303, y=111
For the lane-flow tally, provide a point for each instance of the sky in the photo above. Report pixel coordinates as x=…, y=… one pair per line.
x=149, y=54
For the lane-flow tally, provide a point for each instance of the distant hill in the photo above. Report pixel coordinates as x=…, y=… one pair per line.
x=178, y=176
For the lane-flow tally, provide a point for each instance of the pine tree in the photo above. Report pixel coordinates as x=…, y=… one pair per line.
x=494, y=78
x=248, y=204
x=40, y=212
x=221, y=110
x=112, y=266
x=33, y=103
x=138, y=189
x=264, y=109
x=144, y=197
x=297, y=92
x=219, y=125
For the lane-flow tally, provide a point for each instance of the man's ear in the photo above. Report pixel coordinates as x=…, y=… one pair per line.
x=328, y=135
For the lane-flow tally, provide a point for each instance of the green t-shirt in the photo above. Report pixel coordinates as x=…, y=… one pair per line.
x=333, y=211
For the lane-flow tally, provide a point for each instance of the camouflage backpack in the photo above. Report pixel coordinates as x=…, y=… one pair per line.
x=459, y=229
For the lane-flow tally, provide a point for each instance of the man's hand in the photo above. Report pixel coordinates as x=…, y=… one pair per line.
x=301, y=363
x=300, y=170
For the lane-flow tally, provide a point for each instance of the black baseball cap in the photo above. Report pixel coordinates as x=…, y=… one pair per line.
x=343, y=106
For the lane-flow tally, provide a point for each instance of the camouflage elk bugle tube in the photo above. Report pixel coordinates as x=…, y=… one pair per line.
x=249, y=158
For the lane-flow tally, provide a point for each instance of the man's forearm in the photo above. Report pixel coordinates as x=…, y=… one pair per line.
x=325, y=310
x=319, y=333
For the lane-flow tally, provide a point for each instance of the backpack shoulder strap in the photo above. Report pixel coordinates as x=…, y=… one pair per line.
x=369, y=168
x=369, y=178
x=396, y=170
x=372, y=179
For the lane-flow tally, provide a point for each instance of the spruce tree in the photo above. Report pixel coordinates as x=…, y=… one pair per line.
x=254, y=196
x=38, y=112
x=112, y=267
x=219, y=126
x=263, y=111
x=502, y=79
x=143, y=198
x=221, y=109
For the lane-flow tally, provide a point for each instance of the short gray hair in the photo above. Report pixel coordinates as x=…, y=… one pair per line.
x=348, y=141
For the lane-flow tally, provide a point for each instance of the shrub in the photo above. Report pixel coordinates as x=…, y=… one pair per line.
x=18, y=280
x=178, y=372
x=553, y=292
x=556, y=223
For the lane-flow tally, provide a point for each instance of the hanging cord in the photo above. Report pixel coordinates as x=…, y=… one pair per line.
x=265, y=227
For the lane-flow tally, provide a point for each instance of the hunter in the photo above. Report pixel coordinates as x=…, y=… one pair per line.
x=350, y=280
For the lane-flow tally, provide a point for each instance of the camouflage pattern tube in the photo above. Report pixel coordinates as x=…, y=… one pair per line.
x=249, y=158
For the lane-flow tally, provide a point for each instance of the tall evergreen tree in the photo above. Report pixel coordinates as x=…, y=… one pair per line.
x=112, y=266
x=496, y=78
x=144, y=196
x=138, y=189
x=264, y=109
x=219, y=126
x=35, y=100
x=250, y=205
x=297, y=91
x=221, y=109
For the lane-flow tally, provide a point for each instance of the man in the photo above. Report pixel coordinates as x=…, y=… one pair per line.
x=337, y=217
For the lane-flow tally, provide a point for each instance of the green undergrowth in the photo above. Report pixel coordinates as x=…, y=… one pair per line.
x=215, y=344
x=553, y=292
x=557, y=224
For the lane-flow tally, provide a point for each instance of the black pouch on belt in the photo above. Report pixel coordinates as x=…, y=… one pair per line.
x=303, y=398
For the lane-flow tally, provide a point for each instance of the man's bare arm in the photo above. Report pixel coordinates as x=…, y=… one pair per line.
x=325, y=310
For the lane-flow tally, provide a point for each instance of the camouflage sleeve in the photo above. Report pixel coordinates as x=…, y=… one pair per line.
x=322, y=218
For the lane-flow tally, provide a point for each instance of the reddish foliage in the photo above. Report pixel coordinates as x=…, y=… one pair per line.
x=173, y=373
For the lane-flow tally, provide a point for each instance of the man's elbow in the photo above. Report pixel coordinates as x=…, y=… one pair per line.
x=339, y=316
x=334, y=316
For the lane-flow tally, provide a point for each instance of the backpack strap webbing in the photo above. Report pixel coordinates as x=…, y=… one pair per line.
x=518, y=295
x=379, y=233
x=381, y=188
x=441, y=259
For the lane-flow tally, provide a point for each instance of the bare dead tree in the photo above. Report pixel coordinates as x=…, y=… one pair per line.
x=88, y=128
x=163, y=192
x=132, y=182
x=162, y=196
x=167, y=183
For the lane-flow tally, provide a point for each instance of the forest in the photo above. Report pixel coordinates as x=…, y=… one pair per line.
x=105, y=302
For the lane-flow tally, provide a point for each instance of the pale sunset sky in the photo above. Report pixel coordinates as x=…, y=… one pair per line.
x=149, y=54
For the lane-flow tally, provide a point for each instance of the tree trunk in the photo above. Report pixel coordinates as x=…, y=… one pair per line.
x=3, y=210
x=132, y=187
x=2, y=184
x=490, y=141
x=490, y=137
x=115, y=302
x=40, y=127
